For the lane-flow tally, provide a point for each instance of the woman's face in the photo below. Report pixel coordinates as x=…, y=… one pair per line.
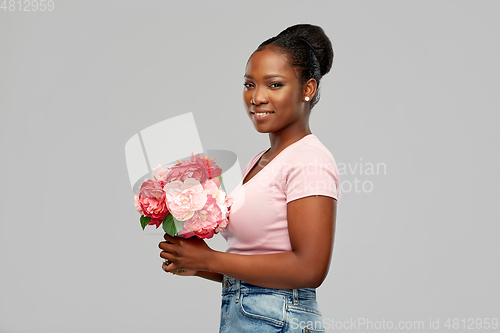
x=271, y=84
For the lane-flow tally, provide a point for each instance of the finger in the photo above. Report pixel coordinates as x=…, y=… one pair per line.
x=165, y=246
x=169, y=238
x=167, y=255
x=168, y=268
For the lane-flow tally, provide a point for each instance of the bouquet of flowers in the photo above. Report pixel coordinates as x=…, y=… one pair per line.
x=185, y=198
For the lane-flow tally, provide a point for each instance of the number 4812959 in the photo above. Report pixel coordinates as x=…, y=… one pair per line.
x=27, y=5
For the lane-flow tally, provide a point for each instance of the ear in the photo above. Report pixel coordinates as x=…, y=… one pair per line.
x=310, y=89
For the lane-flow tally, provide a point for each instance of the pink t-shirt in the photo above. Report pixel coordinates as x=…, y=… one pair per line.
x=258, y=215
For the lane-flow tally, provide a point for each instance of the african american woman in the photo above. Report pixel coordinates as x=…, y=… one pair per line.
x=281, y=225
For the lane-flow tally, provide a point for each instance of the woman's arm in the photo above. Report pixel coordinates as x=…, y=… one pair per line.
x=217, y=277
x=311, y=227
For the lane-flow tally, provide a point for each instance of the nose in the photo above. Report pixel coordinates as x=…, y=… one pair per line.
x=259, y=96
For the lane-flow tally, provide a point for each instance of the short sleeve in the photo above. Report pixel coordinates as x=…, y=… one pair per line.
x=311, y=171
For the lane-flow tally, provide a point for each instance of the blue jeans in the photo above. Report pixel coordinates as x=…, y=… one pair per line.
x=248, y=308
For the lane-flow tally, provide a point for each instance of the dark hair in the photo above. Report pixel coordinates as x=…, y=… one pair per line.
x=309, y=50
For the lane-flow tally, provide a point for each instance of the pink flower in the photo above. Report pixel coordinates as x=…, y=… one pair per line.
x=198, y=167
x=151, y=201
x=138, y=205
x=210, y=188
x=224, y=202
x=190, y=191
x=204, y=222
x=222, y=225
x=160, y=172
x=225, y=207
x=184, y=198
x=216, y=181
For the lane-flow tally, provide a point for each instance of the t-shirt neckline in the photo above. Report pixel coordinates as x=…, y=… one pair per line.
x=275, y=157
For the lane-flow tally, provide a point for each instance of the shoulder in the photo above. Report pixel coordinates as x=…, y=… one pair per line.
x=309, y=151
x=310, y=169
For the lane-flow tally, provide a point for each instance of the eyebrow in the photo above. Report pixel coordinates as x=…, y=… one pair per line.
x=270, y=76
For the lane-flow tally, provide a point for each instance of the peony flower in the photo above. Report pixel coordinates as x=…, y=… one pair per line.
x=190, y=191
x=184, y=198
x=225, y=209
x=197, y=167
x=216, y=181
x=224, y=202
x=210, y=188
x=151, y=200
x=160, y=172
x=229, y=203
x=222, y=225
x=204, y=221
x=138, y=205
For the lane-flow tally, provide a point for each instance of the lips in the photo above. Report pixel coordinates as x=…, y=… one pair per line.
x=261, y=111
x=260, y=115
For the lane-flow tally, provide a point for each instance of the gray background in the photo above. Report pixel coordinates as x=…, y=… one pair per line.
x=414, y=86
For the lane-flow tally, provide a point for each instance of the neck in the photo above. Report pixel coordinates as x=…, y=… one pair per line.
x=282, y=139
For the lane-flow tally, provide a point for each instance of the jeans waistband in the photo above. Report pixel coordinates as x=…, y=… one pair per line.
x=232, y=285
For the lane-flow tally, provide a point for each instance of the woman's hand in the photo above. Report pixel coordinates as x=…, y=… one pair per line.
x=181, y=272
x=188, y=255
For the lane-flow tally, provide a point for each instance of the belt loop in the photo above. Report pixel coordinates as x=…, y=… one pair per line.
x=225, y=282
x=238, y=290
x=295, y=296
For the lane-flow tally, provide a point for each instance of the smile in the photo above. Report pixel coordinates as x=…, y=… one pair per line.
x=261, y=115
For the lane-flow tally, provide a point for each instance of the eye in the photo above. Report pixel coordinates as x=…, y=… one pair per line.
x=247, y=85
x=276, y=85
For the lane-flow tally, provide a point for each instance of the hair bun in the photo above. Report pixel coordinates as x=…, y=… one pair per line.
x=317, y=38
x=309, y=51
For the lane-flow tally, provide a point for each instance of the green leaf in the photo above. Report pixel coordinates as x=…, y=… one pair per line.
x=220, y=179
x=178, y=224
x=145, y=221
x=168, y=225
